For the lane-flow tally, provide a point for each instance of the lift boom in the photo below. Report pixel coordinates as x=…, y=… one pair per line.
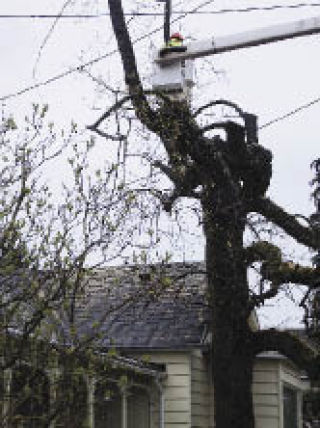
x=245, y=39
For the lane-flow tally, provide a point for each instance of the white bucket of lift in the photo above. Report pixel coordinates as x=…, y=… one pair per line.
x=173, y=77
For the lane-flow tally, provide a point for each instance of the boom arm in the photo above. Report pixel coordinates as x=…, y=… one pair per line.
x=245, y=39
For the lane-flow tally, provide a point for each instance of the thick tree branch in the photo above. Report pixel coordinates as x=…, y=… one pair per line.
x=288, y=222
x=296, y=349
x=143, y=111
x=220, y=102
x=214, y=125
x=263, y=251
x=278, y=272
x=288, y=272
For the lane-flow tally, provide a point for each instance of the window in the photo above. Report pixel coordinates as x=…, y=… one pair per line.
x=290, y=407
x=109, y=410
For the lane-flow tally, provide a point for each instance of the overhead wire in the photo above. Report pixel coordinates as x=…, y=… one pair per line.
x=95, y=60
x=261, y=8
x=48, y=35
x=157, y=29
x=177, y=12
x=290, y=113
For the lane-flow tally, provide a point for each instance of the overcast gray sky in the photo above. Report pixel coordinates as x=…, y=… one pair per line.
x=268, y=81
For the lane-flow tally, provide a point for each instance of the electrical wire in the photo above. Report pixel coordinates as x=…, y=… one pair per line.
x=73, y=16
x=290, y=113
x=100, y=58
x=95, y=60
x=258, y=8
x=204, y=12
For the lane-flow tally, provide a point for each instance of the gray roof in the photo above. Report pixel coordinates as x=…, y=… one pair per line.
x=159, y=307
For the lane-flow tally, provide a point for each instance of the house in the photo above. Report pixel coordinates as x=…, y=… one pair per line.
x=160, y=314
x=153, y=366
x=47, y=381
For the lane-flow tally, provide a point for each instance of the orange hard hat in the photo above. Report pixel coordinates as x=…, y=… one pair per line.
x=176, y=36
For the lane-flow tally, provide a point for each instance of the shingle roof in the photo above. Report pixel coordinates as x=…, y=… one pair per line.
x=150, y=307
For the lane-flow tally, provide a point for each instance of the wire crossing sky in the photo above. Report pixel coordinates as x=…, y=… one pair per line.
x=174, y=12
x=182, y=14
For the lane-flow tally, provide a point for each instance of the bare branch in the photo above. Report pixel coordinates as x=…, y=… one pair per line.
x=116, y=106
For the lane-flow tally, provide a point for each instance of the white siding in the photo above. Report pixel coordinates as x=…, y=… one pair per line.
x=188, y=390
x=266, y=393
x=177, y=388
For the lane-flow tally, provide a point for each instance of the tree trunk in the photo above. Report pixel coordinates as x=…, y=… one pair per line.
x=224, y=223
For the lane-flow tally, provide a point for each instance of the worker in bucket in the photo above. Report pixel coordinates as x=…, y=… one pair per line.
x=174, y=44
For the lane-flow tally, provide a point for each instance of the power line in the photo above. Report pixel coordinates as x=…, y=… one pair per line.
x=72, y=16
x=137, y=14
x=93, y=61
x=260, y=8
x=290, y=113
x=100, y=58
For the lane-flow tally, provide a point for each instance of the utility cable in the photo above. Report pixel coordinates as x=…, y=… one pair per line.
x=137, y=14
x=290, y=113
x=95, y=60
x=258, y=8
x=204, y=12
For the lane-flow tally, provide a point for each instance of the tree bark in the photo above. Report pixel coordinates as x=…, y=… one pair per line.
x=131, y=75
x=228, y=292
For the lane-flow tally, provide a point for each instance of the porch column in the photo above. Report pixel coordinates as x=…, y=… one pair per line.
x=91, y=384
x=124, y=407
x=7, y=382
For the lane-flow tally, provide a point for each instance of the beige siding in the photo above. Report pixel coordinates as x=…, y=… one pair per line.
x=201, y=392
x=188, y=391
x=177, y=388
x=266, y=392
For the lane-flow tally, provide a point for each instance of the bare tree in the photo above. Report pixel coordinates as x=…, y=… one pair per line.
x=50, y=242
x=229, y=178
